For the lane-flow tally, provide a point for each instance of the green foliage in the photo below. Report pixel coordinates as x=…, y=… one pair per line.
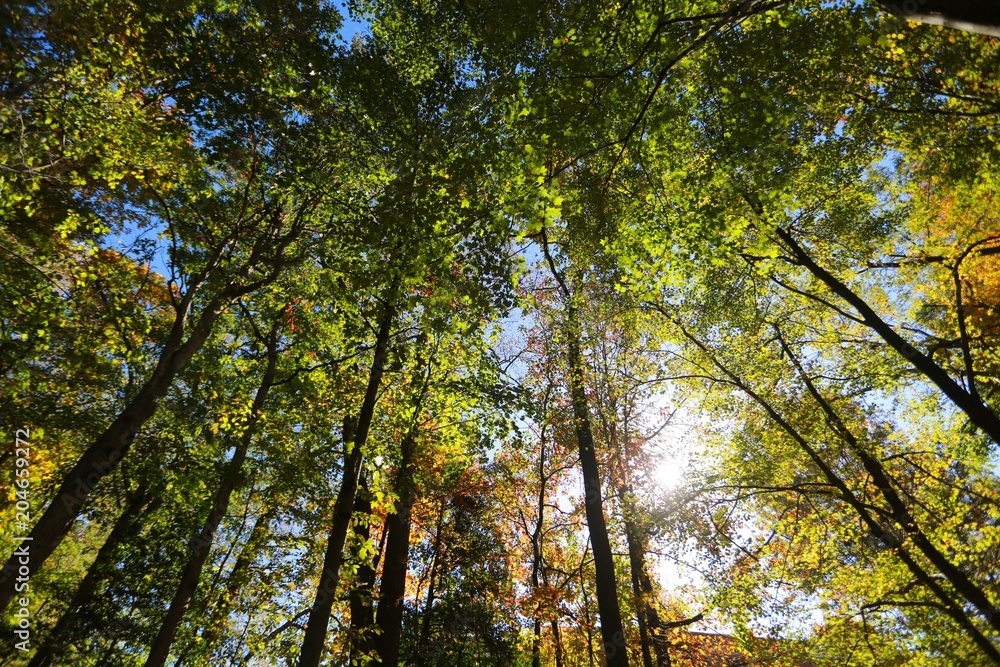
x=698, y=195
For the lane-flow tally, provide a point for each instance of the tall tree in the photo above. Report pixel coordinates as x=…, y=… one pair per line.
x=612, y=630
x=355, y=435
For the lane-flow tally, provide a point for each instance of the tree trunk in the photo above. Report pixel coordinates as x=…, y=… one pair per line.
x=980, y=414
x=637, y=594
x=319, y=614
x=982, y=16
x=362, y=610
x=536, y=547
x=536, y=644
x=397, y=560
x=201, y=545
x=425, y=629
x=557, y=641
x=103, y=456
x=588, y=629
x=642, y=589
x=397, y=554
x=612, y=630
x=127, y=526
x=899, y=512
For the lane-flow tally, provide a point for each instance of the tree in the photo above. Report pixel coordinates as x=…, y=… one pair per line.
x=612, y=629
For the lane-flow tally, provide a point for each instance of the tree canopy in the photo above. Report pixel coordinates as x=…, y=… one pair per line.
x=500, y=333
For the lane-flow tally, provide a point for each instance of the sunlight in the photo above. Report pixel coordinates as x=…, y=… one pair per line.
x=674, y=447
x=670, y=473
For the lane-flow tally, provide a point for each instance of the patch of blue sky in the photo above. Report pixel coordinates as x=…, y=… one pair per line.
x=353, y=25
x=143, y=243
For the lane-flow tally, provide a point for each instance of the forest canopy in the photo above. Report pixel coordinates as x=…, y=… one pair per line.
x=509, y=333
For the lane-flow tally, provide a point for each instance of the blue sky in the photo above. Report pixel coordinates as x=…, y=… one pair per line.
x=351, y=26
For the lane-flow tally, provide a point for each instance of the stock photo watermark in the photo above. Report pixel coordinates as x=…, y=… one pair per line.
x=22, y=524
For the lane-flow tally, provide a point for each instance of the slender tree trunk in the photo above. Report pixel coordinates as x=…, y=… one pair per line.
x=397, y=555
x=425, y=628
x=362, y=609
x=637, y=594
x=237, y=579
x=536, y=644
x=536, y=548
x=657, y=634
x=612, y=630
x=557, y=642
x=642, y=589
x=126, y=527
x=102, y=457
x=587, y=620
x=201, y=546
x=633, y=538
x=200, y=606
x=397, y=559
x=425, y=632
x=319, y=615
